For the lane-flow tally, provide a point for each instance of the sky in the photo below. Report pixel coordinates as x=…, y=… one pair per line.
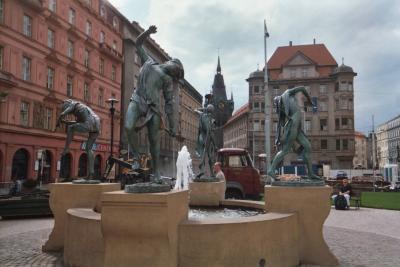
x=365, y=33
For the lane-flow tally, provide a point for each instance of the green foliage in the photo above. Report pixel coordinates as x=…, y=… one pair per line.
x=381, y=200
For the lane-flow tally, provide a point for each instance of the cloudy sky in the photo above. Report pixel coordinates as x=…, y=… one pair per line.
x=365, y=32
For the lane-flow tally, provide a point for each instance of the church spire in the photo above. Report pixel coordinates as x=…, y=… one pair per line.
x=218, y=66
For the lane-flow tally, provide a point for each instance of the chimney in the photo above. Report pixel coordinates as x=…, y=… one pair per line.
x=290, y=43
x=314, y=41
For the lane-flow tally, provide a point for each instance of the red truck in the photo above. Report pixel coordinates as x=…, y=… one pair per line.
x=242, y=179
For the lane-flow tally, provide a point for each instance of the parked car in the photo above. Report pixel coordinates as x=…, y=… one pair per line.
x=341, y=175
x=243, y=180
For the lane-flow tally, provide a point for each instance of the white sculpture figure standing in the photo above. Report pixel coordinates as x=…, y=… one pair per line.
x=184, y=172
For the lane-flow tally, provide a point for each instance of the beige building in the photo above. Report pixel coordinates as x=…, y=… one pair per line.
x=388, y=142
x=360, y=151
x=236, y=129
x=187, y=99
x=330, y=127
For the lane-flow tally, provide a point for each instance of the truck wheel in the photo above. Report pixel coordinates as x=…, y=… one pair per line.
x=233, y=193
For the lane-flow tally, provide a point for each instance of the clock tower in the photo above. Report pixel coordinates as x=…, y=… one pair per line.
x=222, y=106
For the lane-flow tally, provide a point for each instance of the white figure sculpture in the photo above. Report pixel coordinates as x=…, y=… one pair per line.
x=184, y=172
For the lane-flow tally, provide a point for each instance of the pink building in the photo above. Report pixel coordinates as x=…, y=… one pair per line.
x=51, y=50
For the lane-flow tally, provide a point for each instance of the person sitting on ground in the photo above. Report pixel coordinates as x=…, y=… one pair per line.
x=345, y=190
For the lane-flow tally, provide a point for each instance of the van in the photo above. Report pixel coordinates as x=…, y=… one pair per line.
x=242, y=179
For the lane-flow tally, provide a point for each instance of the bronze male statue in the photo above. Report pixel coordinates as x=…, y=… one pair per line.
x=86, y=122
x=290, y=119
x=153, y=79
x=205, y=145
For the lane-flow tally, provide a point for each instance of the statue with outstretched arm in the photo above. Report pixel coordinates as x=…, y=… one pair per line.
x=86, y=122
x=290, y=125
x=145, y=105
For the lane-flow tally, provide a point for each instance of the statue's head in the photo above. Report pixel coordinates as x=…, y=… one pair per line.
x=210, y=108
x=174, y=68
x=277, y=100
x=67, y=103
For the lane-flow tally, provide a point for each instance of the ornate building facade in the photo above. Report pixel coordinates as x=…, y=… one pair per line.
x=236, y=129
x=52, y=50
x=330, y=127
x=360, y=151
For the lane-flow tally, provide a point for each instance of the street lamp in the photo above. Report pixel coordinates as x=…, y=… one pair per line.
x=112, y=101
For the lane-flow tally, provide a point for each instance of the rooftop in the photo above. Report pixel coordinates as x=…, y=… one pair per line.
x=316, y=52
x=238, y=113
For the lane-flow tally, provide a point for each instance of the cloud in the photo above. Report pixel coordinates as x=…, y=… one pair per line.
x=365, y=33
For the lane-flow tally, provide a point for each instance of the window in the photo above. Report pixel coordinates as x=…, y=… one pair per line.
x=1, y=56
x=27, y=30
x=274, y=126
x=88, y=28
x=102, y=37
x=52, y=5
x=50, y=38
x=237, y=161
x=343, y=104
x=102, y=11
x=101, y=66
x=350, y=104
x=343, y=86
x=26, y=68
x=115, y=22
x=1, y=11
x=86, y=92
x=113, y=72
x=50, y=78
x=323, y=88
x=345, y=143
x=100, y=99
x=24, y=114
x=323, y=124
x=293, y=73
x=337, y=144
x=337, y=123
x=275, y=90
x=89, y=2
x=71, y=16
x=304, y=72
x=307, y=126
x=70, y=49
x=324, y=144
x=256, y=125
x=256, y=89
x=86, y=58
x=70, y=85
x=323, y=106
x=256, y=106
x=114, y=45
x=350, y=86
x=345, y=123
x=47, y=118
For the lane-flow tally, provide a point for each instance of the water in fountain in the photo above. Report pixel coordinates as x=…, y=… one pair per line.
x=184, y=172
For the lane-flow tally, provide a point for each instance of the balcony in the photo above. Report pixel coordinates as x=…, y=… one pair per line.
x=109, y=51
x=34, y=4
x=7, y=80
x=91, y=42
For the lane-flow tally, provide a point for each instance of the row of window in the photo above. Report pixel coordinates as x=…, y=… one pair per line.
x=47, y=116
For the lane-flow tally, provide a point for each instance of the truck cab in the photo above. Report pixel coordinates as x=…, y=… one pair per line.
x=242, y=179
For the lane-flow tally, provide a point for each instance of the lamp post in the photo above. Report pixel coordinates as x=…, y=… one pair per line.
x=112, y=101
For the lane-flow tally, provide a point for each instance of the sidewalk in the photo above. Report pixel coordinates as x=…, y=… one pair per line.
x=365, y=237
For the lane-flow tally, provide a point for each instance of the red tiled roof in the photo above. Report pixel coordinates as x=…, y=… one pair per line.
x=241, y=111
x=316, y=52
x=359, y=134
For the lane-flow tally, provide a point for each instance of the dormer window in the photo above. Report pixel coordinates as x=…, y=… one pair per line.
x=115, y=22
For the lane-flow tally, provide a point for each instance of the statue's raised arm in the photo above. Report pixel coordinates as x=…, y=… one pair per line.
x=301, y=89
x=140, y=40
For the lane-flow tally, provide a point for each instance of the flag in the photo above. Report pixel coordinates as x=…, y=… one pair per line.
x=266, y=34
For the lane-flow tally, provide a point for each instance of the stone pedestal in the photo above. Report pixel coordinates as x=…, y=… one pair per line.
x=64, y=196
x=142, y=229
x=207, y=193
x=83, y=244
x=312, y=205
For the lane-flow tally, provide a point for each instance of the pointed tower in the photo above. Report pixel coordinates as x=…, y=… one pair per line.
x=222, y=105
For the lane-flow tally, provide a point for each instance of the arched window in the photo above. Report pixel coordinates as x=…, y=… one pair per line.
x=82, y=165
x=20, y=164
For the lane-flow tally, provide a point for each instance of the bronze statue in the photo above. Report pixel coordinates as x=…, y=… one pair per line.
x=290, y=119
x=86, y=122
x=145, y=102
x=205, y=145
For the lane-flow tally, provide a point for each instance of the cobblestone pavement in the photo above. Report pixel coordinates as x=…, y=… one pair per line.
x=365, y=237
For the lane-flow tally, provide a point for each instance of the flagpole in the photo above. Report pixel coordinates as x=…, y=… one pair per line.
x=267, y=104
